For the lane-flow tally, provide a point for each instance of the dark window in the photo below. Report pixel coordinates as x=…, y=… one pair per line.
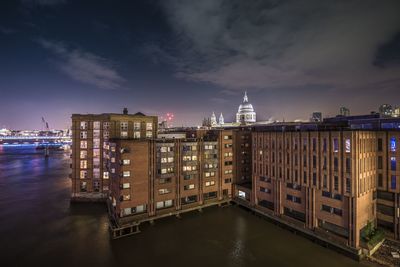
x=393, y=163
x=335, y=163
x=266, y=204
x=189, y=199
x=294, y=214
x=325, y=181
x=348, y=165
x=348, y=185
x=326, y=194
x=314, y=144
x=380, y=180
x=386, y=195
x=324, y=145
x=337, y=197
x=314, y=161
x=336, y=183
x=305, y=177
x=380, y=144
x=387, y=210
x=314, y=179
x=326, y=208
x=335, y=145
x=337, y=211
x=380, y=163
x=393, y=182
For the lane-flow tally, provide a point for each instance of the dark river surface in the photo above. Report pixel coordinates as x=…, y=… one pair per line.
x=39, y=227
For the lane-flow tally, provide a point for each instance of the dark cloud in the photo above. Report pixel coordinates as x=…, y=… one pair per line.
x=84, y=66
x=271, y=44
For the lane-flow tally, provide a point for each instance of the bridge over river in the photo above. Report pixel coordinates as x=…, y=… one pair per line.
x=20, y=140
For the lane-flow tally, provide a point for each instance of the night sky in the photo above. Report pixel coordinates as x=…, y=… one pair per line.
x=59, y=57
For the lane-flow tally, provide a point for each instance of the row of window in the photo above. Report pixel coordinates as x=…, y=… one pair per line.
x=83, y=174
x=335, y=144
x=332, y=210
x=134, y=210
x=96, y=186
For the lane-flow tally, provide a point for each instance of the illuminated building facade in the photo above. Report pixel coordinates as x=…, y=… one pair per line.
x=329, y=178
x=90, y=148
x=165, y=176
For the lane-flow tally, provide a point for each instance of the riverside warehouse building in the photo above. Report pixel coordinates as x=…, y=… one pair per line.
x=328, y=180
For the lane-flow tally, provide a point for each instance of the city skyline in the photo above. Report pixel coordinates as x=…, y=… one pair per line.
x=158, y=57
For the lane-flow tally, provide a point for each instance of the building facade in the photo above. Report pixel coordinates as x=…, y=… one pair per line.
x=331, y=178
x=164, y=176
x=90, y=149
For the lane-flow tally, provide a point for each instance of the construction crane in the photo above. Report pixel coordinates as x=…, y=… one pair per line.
x=45, y=125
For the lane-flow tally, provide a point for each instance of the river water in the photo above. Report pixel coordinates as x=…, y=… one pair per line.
x=39, y=227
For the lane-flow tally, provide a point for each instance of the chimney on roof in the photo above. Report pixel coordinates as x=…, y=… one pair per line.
x=125, y=111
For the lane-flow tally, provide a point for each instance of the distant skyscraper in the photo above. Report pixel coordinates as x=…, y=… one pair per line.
x=344, y=111
x=386, y=110
x=246, y=113
x=316, y=117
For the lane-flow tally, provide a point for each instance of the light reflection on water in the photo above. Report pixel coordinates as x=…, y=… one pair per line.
x=38, y=226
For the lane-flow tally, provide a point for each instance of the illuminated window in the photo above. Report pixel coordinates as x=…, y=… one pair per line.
x=106, y=125
x=126, y=162
x=83, y=164
x=83, y=125
x=149, y=126
x=126, y=173
x=164, y=204
x=348, y=145
x=124, y=134
x=393, y=144
x=96, y=173
x=188, y=187
x=83, y=154
x=96, y=125
x=136, y=126
x=83, y=144
x=83, y=174
x=96, y=153
x=126, y=197
x=136, y=135
x=242, y=194
x=124, y=126
x=126, y=185
x=163, y=191
x=96, y=133
x=106, y=175
x=149, y=134
x=83, y=135
x=210, y=183
x=96, y=143
x=83, y=186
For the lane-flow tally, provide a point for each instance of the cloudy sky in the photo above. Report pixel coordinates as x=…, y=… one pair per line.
x=59, y=57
